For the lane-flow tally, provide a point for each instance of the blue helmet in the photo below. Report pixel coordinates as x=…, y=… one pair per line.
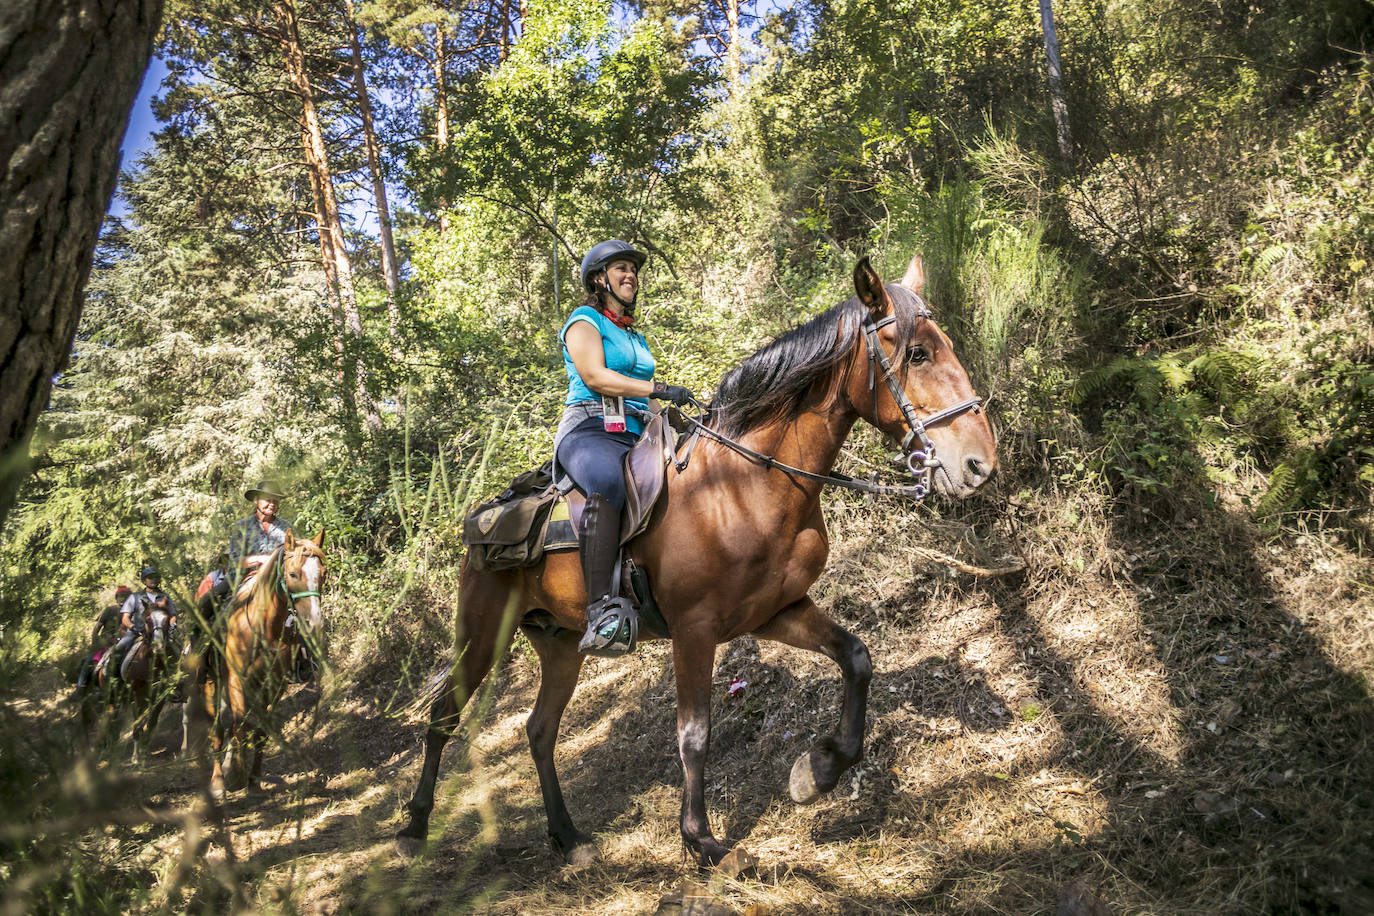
x=604, y=253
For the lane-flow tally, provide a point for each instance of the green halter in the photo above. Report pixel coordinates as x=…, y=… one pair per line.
x=281, y=582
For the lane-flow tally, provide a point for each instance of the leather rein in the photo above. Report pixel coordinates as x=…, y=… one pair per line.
x=921, y=462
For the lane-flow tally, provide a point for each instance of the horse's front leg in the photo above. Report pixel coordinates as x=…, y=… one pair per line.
x=234, y=711
x=140, y=724
x=693, y=656
x=805, y=626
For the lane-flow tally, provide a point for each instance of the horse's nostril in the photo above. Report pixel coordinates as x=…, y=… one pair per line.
x=978, y=470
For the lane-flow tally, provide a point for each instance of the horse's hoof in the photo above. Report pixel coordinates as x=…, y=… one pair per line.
x=408, y=847
x=583, y=854
x=802, y=783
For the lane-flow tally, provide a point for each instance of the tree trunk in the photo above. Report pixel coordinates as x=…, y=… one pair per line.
x=1061, y=108
x=374, y=167
x=441, y=108
x=347, y=369
x=69, y=73
x=329, y=225
x=732, y=52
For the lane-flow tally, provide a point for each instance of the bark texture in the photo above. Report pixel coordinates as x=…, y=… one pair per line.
x=334, y=255
x=69, y=73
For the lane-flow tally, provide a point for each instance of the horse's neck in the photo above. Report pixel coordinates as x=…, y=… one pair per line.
x=267, y=607
x=811, y=442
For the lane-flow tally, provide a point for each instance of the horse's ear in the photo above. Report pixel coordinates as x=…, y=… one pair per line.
x=869, y=287
x=290, y=542
x=915, y=277
x=319, y=538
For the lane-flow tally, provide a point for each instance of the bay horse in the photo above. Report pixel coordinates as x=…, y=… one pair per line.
x=736, y=542
x=236, y=691
x=144, y=674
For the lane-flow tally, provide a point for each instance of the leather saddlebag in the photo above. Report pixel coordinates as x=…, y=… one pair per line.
x=508, y=532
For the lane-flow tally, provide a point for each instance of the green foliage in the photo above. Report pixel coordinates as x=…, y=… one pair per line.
x=1331, y=461
x=1183, y=317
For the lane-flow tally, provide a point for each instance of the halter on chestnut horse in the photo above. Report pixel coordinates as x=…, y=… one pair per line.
x=250, y=674
x=737, y=541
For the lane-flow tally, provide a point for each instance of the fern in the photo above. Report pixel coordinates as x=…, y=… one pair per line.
x=1283, y=485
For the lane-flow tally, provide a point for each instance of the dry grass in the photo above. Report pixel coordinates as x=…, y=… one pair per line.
x=1174, y=715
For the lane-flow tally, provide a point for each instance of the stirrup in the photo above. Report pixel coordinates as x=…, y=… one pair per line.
x=612, y=628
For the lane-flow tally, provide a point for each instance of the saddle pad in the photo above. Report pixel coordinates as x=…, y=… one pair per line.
x=560, y=534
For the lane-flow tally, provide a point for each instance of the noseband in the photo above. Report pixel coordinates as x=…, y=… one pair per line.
x=920, y=462
x=281, y=584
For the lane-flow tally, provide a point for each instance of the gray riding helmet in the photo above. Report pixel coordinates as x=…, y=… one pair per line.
x=604, y=253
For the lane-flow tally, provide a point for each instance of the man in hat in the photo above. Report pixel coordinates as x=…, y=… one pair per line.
x=254, y=538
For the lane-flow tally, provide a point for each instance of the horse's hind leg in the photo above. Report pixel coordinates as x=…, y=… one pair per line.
x=805, y=626
x=559, y=665
x=486, y=624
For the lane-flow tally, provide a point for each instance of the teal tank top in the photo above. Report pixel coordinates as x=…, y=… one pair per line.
x=626, y=352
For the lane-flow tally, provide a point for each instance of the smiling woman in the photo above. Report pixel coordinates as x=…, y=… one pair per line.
x=610, y=379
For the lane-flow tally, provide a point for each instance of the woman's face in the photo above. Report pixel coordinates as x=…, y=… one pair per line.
x=622, y=279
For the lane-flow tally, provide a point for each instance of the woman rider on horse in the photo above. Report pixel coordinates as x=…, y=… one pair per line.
x=610, y=376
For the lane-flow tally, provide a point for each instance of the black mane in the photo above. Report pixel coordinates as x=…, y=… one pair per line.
x=772, y=384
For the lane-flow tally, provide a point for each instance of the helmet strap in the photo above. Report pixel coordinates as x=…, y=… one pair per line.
x=629, y=307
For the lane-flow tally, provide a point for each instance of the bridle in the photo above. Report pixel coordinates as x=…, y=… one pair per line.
x=921, y=462
x=291, y=596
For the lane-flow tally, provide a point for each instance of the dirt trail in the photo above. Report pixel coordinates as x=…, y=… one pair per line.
x=1168, y=731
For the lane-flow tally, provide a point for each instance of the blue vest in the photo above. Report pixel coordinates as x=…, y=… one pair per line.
x=626, y=352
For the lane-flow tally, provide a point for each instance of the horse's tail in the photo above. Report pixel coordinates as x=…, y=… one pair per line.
x=417, y=710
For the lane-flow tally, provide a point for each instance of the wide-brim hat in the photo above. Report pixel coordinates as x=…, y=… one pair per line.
x=265, y=489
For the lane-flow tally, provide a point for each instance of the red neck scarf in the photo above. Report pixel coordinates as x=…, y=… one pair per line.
x=621, y=321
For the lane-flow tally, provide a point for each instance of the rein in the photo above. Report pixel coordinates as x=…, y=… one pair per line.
x=921, y=462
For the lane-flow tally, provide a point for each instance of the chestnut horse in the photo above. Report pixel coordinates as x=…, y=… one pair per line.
x=736, y=542
x=146, y=674
x=249, y=673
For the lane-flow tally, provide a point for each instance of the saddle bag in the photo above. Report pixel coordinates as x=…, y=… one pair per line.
x=507, y=532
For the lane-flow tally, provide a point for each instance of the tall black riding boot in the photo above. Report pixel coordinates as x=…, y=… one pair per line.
x=612, y=623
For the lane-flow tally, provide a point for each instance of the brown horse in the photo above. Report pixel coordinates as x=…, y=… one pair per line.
x=247, y=677
x=737, y=541
x=145, y=674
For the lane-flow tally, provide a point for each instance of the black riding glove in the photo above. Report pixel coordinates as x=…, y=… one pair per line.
x=675, y=393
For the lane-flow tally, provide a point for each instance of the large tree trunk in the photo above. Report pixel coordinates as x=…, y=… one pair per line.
x=441, y=108
x=330, y=226
x=69, y=72
x=1057, y=103
x=374, y=167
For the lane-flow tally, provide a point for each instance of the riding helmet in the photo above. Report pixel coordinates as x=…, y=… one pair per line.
x=604, y=253
x=150, y=572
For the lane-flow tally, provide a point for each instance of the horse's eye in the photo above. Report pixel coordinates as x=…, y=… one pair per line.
x=916, y=354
